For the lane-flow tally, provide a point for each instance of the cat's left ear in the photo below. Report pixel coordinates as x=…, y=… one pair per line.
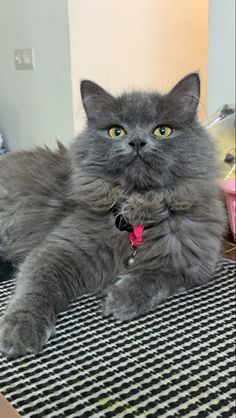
x=186, y=94
x=95, y=99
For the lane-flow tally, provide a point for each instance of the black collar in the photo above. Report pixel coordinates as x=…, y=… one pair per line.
x=122, y=224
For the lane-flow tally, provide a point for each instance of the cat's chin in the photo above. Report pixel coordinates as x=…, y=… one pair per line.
x=141, y=185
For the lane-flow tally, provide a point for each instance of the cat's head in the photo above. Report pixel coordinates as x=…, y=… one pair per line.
x=143, y=140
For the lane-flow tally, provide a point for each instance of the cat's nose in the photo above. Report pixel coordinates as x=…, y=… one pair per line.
x=137, y=144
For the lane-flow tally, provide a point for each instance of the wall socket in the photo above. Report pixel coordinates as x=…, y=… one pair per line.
x=24, y=59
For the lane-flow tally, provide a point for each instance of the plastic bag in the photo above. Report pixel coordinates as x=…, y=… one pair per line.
x=221, y=127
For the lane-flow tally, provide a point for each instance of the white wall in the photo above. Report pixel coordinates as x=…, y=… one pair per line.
x=146, y=44
x=35, y=106
x=221, y=54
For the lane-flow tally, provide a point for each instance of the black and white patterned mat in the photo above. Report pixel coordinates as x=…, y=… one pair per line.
x=175, y=362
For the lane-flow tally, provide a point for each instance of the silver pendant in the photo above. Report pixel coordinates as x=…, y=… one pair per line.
x=130, y=261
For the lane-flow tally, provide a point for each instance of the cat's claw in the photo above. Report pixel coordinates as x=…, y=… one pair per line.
x=20, y=334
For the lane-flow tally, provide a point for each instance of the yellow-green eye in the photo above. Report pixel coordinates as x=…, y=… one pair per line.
x=116, y=132
x=162, y=131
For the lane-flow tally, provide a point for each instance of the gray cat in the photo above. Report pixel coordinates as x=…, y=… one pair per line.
x=132, y=210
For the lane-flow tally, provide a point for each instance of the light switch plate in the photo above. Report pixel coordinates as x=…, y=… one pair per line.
x=24, y=59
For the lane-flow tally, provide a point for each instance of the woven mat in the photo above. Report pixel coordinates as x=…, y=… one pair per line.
x=175, y=362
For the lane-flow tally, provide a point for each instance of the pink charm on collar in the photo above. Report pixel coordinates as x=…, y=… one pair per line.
x=136, y=237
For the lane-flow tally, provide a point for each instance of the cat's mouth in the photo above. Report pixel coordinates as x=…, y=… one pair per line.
x=137, y=158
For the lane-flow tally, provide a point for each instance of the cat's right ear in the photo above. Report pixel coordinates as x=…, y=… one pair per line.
x=95, y=99
x=185, y=96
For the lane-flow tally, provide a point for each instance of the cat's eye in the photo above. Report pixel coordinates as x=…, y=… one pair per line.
x=162, y=131
x=116, y=132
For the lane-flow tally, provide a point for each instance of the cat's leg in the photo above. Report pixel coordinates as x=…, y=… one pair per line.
x=44, y=288
x=177, y=268
x=136, y=293
x=47, y=280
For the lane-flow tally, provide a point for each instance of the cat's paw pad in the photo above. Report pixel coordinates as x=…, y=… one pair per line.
x=124, y=302
x=21, y=334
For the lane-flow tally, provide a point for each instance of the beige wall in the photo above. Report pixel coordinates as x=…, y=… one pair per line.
x=136, y=44
x=35, y=106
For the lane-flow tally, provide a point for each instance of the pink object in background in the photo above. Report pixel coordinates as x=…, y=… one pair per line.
x=229, y=189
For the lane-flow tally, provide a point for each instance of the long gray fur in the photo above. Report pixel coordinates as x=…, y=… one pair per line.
x=57, y=225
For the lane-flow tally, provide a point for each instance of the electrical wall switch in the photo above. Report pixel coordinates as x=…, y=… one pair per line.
x=24, y=59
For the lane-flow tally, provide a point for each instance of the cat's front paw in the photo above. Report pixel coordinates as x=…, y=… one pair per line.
x=125, y=301
x=21, y=334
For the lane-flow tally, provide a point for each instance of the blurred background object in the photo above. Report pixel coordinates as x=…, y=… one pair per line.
x=221, y=126
x=3, y=149
x=229, y=188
